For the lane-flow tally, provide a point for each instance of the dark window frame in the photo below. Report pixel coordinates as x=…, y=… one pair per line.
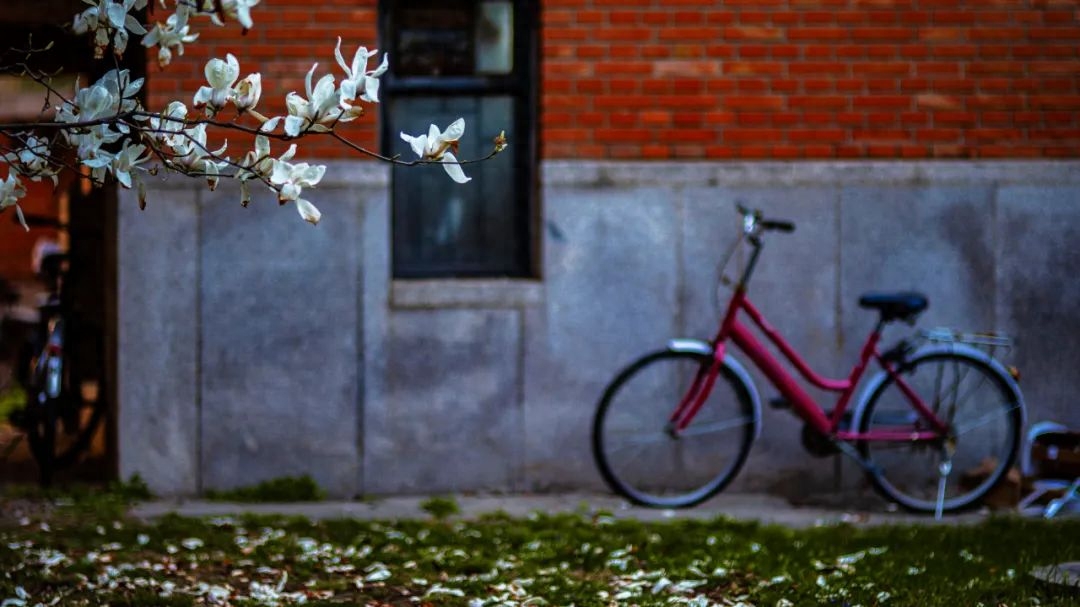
x=522, y=84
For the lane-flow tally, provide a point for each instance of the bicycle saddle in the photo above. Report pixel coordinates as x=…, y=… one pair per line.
x=895, y=306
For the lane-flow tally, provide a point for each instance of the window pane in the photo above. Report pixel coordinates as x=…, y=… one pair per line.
x=445, y=228
x=495, y=38
x=434, y=38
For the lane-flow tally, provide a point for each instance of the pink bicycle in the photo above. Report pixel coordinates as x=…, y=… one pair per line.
x=674, y=427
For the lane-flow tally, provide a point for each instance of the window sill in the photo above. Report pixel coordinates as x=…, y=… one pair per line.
x=467, y=293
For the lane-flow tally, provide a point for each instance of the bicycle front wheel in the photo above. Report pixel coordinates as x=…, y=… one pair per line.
x=983, y=409
x=41, y=416
x=642, y=460
x=59, y=429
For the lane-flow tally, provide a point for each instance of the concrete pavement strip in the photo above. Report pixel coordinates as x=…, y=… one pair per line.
x=739, y=506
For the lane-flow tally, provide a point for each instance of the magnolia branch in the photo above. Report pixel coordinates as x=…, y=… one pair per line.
x=104, y=128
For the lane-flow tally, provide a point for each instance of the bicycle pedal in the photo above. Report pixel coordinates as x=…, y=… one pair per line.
x=779, y=402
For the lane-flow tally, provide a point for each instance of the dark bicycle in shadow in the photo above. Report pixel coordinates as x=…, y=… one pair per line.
x=64, y=405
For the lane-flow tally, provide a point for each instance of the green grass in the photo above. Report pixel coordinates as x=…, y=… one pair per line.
x=440, y=508
x=284, y=489
x=10, y=400
x=79, y=555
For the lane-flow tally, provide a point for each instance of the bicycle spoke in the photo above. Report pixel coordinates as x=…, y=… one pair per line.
x=937, y=390
x=985, y=419
x=635, y=454
x=953, y=393
x=982, y=380
x=714, y=427
x=633, y=439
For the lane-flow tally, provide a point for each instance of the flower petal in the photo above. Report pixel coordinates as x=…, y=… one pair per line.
x=308, y=211
x=262, y=146
x=453, y=169
x=294, y=125
x=133, y=25
x=232, y=68
x=297, y=105
x=417, y=143
x=383, y=66
x=323, y=97
x=348, y=92
x=340, y=59
x=359, y=62
x=455, y=131
x=307, y=80
x=371, y=89
x=311, y=175
x=280, y=174
x=289, y=153
x=117, y=15
x=22, y=218
x=270, y=124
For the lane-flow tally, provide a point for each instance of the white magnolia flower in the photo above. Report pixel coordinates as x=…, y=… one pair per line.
x=33, y=160
x=99, y=164
x=91, y=103
x=191, y=155
x=437, y=146
x=221, y=75
x=291, y=179
x=166, y=127
x=171, y=35
x=88, y=143
x=113, y=93
x=359, y=81
x=127, y=160
x=123, y=89
x=258, y=163
x=235, y=9
x=320, y=107
x=11, y=190
x=247, y=92
x=109, y=17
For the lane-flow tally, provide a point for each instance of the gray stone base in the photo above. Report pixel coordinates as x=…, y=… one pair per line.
x=254, y=346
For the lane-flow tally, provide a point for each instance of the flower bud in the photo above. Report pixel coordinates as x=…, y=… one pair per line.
x=247, y=92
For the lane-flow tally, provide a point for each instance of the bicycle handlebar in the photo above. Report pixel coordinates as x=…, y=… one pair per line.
x=754, y=219
x=779, y=225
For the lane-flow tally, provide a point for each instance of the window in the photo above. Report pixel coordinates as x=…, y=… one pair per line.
x=473, y=59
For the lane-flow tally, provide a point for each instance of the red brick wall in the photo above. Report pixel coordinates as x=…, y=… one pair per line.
x=16, y=244
x=289, y=35
x=743, y=79
x=810, y=78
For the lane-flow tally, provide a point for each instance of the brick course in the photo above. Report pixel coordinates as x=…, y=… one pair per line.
x=742, y=79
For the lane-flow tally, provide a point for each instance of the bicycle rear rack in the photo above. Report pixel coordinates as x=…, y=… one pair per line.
x=991, y=342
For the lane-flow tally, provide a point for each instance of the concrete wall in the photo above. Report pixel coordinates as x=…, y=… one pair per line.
x=254, y=346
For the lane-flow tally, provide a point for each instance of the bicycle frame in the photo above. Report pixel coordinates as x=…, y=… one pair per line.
x=802, y=403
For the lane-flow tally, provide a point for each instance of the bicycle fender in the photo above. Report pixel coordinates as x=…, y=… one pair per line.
x=694, y=346
x=953, y=348
x=697, y=346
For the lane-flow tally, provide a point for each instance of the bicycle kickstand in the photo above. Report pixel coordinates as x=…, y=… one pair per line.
x=944, y=469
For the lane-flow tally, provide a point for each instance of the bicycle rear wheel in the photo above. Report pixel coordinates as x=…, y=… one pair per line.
x=983, y=408
x=642, y=460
